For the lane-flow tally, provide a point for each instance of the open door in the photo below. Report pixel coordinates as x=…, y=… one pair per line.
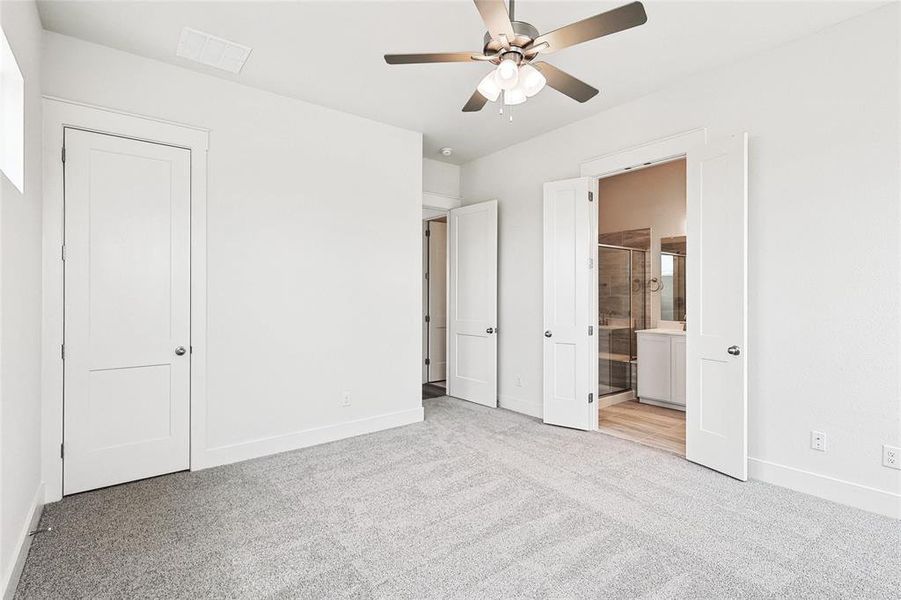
x=717, y=308
x=472, y=303
x=570, y=304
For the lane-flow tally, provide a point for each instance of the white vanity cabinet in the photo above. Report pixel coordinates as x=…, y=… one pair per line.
x=661, y=367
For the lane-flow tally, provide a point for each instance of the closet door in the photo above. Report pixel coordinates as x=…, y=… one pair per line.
x=127, y=310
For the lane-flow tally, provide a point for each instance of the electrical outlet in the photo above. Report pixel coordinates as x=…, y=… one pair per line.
x=891, y=457
x=345, y=399
x=518, y=381
x=818, y=440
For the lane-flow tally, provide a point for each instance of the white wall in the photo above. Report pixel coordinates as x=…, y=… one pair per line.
x=313, y=251
x=824, y=245
x=20, y=306
x=440, y=178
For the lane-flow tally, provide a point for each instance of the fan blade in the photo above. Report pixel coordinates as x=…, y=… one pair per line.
x=475, y=103
x=494, y=13
x=434, y=57
x=618, y=19
x=565, y=83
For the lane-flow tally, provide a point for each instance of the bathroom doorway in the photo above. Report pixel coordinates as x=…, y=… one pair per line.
x=641, y=305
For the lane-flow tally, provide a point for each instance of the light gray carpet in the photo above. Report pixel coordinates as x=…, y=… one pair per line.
x=472, y=503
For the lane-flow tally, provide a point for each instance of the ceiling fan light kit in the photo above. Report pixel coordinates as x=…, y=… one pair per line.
x=513, y=47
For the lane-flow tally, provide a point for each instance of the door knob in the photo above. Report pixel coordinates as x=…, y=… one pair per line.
x=548, y=333
x=490, y=330
x=180, y=350
x=733, y=350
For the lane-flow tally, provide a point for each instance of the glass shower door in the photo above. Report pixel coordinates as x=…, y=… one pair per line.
x=615, y=319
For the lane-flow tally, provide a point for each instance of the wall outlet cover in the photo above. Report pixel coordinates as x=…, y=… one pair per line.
x=818, y=441
x=345, y=399
x=891, y=457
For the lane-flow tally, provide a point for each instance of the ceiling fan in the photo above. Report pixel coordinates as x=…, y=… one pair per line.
x=513, y=47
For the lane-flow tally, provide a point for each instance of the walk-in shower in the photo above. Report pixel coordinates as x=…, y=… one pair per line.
x=622, y=310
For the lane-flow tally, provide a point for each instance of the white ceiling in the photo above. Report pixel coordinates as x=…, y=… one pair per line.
x=330, y=53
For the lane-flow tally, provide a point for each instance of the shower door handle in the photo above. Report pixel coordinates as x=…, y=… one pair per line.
x=548, y=333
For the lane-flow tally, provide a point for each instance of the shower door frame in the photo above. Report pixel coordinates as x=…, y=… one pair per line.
x=604, y=399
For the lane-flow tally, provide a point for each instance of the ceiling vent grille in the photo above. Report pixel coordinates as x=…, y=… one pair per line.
x=211, y=50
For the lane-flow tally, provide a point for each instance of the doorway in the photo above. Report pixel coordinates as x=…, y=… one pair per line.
x=434, y=308
x=641, y=311
x=714, y=347
x=127, y=310
x=459, y=303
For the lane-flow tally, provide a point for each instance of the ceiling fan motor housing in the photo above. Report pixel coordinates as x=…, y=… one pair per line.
x=525, y=35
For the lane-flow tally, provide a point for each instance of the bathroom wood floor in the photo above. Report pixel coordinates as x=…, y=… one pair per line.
x=655, y=426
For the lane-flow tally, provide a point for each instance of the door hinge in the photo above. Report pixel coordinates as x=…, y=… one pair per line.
x=62, y=351
x=591, y=330
x=428, y=362
x=590, y=397
x=591, y=196
x=62, y=154
x=426, y=275
x=62, y=452
x=62, y=252
x=428, y=233
x=590, y=262
x=428, y=319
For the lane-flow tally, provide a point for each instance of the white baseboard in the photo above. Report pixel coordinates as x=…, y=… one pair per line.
x=611, y=399
x=23, y=544
x=836, y=490
x=224, y=455
x=521, y=406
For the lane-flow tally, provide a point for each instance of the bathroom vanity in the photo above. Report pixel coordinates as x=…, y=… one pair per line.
x=661, y=367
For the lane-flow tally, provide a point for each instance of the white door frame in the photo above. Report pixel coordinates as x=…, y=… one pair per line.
x=433, y=214
x=641, y=157
x=691, y=145
x=58, y=114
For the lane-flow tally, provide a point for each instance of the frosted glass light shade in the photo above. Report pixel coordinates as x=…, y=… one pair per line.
x=507, y=74
x=514, y=96
x=488, y=87
x=531, y=81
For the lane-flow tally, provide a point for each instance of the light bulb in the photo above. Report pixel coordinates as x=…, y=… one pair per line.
x=507, y=74
x=531, y=80
x=514, y=96
x=489, y=88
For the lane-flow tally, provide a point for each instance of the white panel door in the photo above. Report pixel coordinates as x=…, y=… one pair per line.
x=716, y=336
x=437, y=301
x=127, y=310
x=570, y=304
x=472, y=303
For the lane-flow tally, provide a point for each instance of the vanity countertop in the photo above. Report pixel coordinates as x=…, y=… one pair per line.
x=660, y=330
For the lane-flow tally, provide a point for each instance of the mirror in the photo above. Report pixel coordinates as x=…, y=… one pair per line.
x=672, y=278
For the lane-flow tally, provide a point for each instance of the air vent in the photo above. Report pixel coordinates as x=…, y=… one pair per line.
x=211, y=50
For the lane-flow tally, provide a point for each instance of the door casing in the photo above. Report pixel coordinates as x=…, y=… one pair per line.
x=655, y=152
x=57, y=115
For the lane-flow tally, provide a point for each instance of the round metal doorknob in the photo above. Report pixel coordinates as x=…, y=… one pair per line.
x=733, y=350
x=548, y=333
x=180, y=350
x=490, y=330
